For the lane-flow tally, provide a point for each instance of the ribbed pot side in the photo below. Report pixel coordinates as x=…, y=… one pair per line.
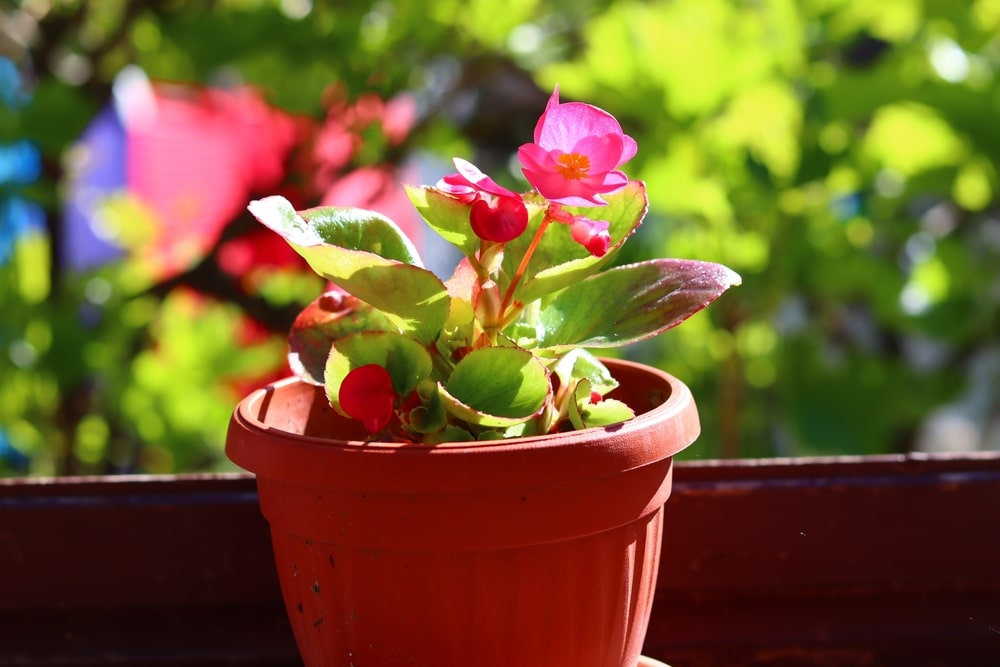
x=535, y=552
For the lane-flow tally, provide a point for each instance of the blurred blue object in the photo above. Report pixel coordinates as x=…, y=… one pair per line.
x=97, y=170
x=11, y=93
x=11, y=457
x=18, y=216
x=20, y=163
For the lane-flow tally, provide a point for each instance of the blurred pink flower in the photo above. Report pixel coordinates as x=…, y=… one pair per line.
x=193, y=157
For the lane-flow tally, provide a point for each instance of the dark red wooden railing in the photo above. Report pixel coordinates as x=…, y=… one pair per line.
x=888, y=561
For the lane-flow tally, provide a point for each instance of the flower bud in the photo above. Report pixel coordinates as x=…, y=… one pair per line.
x=487, y=303
x=367, y=394
x=502, y=219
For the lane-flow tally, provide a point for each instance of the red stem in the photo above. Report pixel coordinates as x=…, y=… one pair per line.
x=523, y=266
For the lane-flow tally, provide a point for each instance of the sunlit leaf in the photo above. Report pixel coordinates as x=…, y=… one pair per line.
x=559, y=260
x=891, y=139
x=327, y=318
x=632, y=302
x=406, y=360
x=446, y=215
x=584, y=413
x=413, y=298
x=496, y=387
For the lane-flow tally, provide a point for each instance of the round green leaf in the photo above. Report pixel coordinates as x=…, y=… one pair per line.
x=413, y=298
x=358, y=229
x=350, y=228
x=446, y=215
x=496, y=387
x=405, y=358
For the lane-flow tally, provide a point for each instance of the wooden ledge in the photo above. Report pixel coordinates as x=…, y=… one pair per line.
x=845, y=561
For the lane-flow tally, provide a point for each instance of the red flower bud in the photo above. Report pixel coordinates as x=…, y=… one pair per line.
x=367, y=394
x=502, y=220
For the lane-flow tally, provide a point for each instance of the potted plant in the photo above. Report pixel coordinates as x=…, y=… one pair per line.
x=452, y=477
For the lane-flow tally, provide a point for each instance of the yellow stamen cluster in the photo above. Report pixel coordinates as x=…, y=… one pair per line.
x=573, y=165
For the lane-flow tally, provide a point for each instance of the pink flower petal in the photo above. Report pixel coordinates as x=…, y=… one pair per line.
x=603, y=151
x=479, y=180
x=456, y=186
x=592, y=235
x=567, y=123
x=576, y=154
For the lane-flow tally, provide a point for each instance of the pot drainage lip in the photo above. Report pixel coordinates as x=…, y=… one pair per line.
x=649, y=662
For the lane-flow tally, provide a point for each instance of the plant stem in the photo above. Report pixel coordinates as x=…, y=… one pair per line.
x=523, y=266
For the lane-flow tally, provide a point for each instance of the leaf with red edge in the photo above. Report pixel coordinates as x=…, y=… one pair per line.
x=332, y=315
x=367, y=255
x=406, y=360
x=632, y=302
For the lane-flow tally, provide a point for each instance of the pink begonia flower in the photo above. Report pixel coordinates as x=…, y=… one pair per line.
x=469, y=181
x=367, y=394
x=498, y=216
x=455, y=185
x=577, y=151
x=591, y=234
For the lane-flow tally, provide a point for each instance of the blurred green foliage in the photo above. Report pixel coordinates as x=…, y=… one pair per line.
x=840, y=154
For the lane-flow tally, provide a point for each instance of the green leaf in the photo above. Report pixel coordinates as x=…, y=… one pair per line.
x=430, y=415
x=450, y=433
x=357, y=229
x=329, y=317
x=412, y=298
x=632, y=302
x=405, y=358
x=579, y=364
x=425, y=420
x=496, y=387
x=584, y=414
x=446, y=215
x=349, y=228
x=559, y=261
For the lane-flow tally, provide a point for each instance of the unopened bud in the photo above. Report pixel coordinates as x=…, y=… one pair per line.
x=487, y=303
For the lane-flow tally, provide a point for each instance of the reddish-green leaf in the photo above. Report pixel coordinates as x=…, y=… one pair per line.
x=329, y=317
x=632, y=302
x=365, y=254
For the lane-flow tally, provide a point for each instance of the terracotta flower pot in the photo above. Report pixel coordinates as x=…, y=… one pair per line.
x=535, y=552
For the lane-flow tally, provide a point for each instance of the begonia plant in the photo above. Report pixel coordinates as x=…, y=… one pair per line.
x=505, y=346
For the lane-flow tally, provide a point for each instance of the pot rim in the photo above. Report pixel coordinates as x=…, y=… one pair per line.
x=652, y=437
x=679, y=400
x=615, y=473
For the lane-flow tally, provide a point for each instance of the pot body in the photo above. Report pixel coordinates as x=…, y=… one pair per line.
x=536, y=552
